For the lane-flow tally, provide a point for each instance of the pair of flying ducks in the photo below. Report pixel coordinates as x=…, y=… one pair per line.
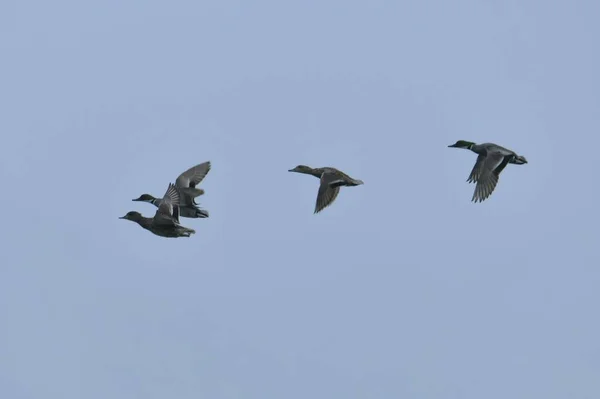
x=491, y=160
x=179, y=200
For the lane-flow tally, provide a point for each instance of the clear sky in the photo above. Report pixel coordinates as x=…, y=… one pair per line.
x=403, y=288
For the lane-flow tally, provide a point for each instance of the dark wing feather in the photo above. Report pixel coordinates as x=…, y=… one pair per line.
x=502, y=165
x=176, y=213
x=328, y=190
x=476, y=172
x=488, y=178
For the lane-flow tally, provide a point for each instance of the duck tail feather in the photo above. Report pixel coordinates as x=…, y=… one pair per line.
x=201, y=213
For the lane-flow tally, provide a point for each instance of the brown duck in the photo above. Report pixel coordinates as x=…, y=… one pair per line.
x=165, y=222
x=331, y=181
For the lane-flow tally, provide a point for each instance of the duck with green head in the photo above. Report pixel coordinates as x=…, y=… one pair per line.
x=331, y=181
x=186, y=184
x=491, y=161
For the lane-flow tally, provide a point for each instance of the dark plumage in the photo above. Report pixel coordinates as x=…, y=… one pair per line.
x=491, y=161
x=186, y=185
x=331, y=181
x=165, y=222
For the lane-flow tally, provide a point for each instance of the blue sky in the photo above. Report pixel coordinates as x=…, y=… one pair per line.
x=402, y=288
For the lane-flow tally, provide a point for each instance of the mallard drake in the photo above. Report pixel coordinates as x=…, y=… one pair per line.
x=331, y=181
x=186, y=184
x=165, y=222
x=490, y=163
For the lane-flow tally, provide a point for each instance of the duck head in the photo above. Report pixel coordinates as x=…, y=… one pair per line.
x=145, y=198
x=462, y=144
x=133, y=216
x=301, y=169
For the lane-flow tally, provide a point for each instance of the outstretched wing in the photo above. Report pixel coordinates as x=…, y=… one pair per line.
x=172, y=194
x=193, y=176
x=476, y=172
x=328, y=190
x=488, y=179
x=168, y=210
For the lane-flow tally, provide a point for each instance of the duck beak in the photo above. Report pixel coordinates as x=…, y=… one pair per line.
x=137, y=199
x=452, y=146
x=121, y=217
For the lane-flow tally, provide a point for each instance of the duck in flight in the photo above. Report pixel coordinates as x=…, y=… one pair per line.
x=186, y=184
x=491, y=161
x=331, y=181
x=165, y=222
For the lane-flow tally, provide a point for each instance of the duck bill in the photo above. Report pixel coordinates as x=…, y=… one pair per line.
x=452, y=146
